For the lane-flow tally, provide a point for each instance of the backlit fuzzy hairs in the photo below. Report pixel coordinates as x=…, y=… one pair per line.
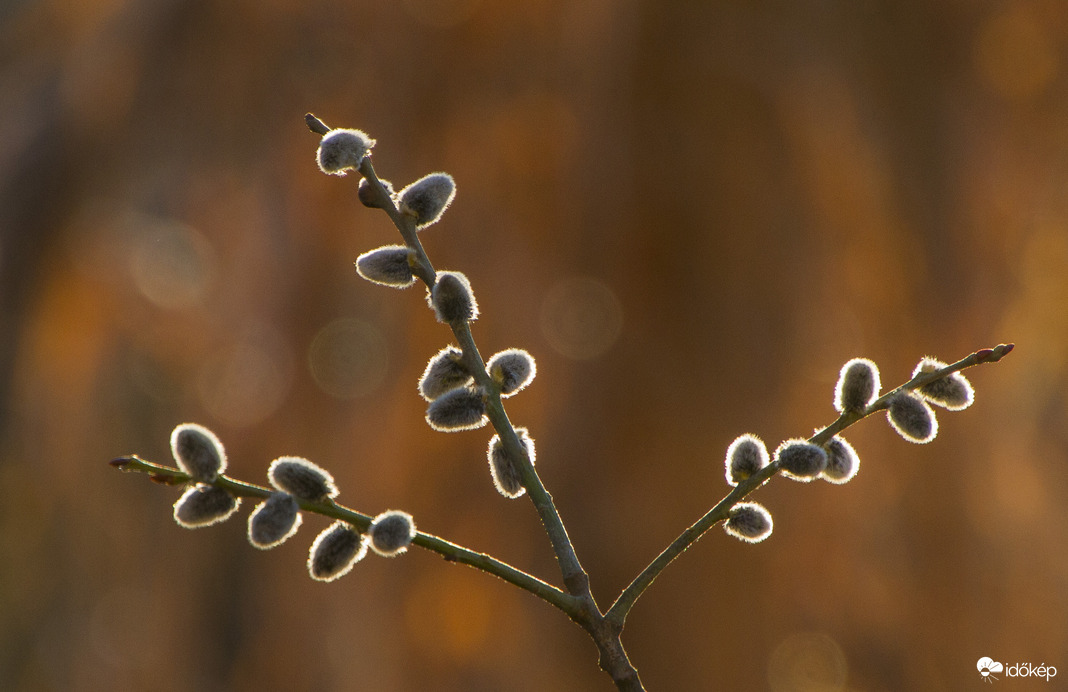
x=858, y=385
x=388, y=266
x=302, y=479
x=953, y=392
x=504, y=468
x=198, y=452
x=452, y=298
x=335, y=551
x=391, y=533
x=912, y=418
x=749, y=521
x=426, y=199
x=445, y=372
x=204, y=505
x=746, y=455
x=343, y=150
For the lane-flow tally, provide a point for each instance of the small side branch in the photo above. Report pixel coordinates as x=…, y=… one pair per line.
x=452, y=552
x=617, y=614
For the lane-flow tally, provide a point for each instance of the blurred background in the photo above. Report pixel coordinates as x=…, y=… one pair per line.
x=691, y=213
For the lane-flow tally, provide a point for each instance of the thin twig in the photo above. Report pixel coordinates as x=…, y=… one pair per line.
x=447, y=549
x=575, y=578
x=618, y=612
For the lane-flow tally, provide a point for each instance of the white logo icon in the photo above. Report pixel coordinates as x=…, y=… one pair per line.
x=987, y=667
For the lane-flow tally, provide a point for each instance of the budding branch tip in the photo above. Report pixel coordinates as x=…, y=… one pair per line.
x=315, y=125
x=993, y=355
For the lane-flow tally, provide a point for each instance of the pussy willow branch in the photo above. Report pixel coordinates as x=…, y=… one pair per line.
x=617, y=614
x=452, y=552
x=575, y=578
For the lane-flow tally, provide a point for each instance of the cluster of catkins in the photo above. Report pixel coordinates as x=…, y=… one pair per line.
x=456, y=400
x=199, y=453
x=908, y=410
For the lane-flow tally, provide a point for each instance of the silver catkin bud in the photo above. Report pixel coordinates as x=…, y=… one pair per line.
x=302, y=479
x=391, y=533
x=800, y=460
x=745, y=456
x=445, y=371
x=452, y=298
x=335, y=551
x=371, y=197
x=204, y=505
x=459, y=409
x=198, y=452
x=749, y=521
x=953, y=392
x=388, y=266
x=912, y=418
x=842, y=461
x=426, y=199
x=343, y=150
x=512, y=369
x=858, y=385
x=504, y=468
x=274, y=520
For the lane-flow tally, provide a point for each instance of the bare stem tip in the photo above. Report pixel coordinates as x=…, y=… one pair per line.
x=315, y=125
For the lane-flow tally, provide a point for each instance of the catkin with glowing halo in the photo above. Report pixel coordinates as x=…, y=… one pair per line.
x=452, y=298
x=445, y=372
x=198, y=452
x=343, y=150
x=953, y=392
x=858, y=385
x=842, y=461
x=204, y=505
x=745, y=456
x=426, y=199
x=302, y=479
x=459, y=409
x=800, y=460
x=274, y=520
x=391, y=533
x=389, y=265
x=749, y=521
x=512, y=369
x=335, y=551
x=504, y=468
x=912, y=418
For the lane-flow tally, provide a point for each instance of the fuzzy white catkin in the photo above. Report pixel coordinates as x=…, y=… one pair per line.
x=342, y=150
x=198, y=452
x=800, y=460
x=391, y=533
x=445, y=372
x=842, y=461
x=204, y=505
x=335, y=551
x=504, y=468
x=912, y=418
x=274, y=520
x=953, y=392
x=426, y=199
x=513, y=369
x=745, y=456
x=749, y=521
x=387, y=266
x=302, y=479
x=459, y=409
x=452, y=298
x=858, y=385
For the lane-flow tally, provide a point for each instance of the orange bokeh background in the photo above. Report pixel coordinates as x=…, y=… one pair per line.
x=692, y=214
